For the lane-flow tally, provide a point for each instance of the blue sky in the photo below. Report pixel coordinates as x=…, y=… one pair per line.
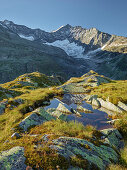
x=106, y=15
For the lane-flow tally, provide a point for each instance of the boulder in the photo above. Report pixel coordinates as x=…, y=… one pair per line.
x=77, y=114
x=39, y=116
x=82, y=109
x=112, y=122
x=54, y=112
x=112, y=137
x=73, y=88
x=109, y=106
x=31, y=120
x=63, y=109
x=13, y=159
x=109, y=112
x=95, y=102
x=122, y=105
x=99, y=156
x=43, y=114
x=89, y=98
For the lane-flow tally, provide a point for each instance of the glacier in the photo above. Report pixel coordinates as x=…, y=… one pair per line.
x=72, y=49
x=31, y=38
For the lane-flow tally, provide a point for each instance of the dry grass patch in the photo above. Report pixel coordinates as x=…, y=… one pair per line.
x=37, y=151
x=61, y=128
x=115, y=91
x=11, y=118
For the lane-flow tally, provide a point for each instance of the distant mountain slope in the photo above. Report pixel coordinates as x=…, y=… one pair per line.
x=68, y=51
x=19, y=56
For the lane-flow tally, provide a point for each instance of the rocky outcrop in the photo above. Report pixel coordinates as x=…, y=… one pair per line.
x=72, y=88
x=82, y=109
x=122, y=105
x=57, y=114
x=96, y=156
x=83, y=84
x=13, y=159
x=39, y=116
x=109, y=106
x=100, y=103
x=89, y=98
x=63, y=109
x=3, y=106
x=112, y=137
x=96, y=103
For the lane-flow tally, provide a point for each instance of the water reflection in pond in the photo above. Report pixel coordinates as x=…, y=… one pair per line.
x=97, y=118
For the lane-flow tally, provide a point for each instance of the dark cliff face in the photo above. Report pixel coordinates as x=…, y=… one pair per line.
x=25, y=50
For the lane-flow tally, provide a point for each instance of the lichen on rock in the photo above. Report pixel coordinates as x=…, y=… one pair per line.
x=13, y=159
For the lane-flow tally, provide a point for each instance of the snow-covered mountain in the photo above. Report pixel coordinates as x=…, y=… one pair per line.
x=89, y=48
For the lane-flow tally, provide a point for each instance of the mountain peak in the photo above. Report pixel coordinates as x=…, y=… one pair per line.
x=7, y=22
x=67, y=26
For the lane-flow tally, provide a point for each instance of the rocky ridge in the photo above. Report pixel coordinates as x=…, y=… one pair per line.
x=75, y=51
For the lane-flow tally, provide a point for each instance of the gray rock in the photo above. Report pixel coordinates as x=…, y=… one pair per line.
x=58, y=114
x=2, y=108
x=18, y=101
x=112, y=137
x=13, y=159
x=95, y=102
x=63, y=109
x=77, y=113
x=109, y=112
x=89, y=98
x=122, y=105
x=39, y=116
x=15, y=135
x=112, y=121
x=31, y=120
x=100, y=156
x=109, y=106
x=45, y=115
x=82, y=109
x=46, y=103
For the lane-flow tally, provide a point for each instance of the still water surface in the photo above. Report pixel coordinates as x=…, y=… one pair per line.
x=97, y=118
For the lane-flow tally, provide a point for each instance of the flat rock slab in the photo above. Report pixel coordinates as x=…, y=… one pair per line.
x=63, y=109
x=13, y=159
x=109, y=105
x=122, y=105
x=82, y=109
x=73, y=88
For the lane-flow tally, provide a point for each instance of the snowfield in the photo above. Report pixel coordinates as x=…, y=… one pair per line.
x=31, y=38
x=72, y=49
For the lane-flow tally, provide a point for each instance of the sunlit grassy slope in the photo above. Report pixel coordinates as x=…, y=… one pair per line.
x=115, y=91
